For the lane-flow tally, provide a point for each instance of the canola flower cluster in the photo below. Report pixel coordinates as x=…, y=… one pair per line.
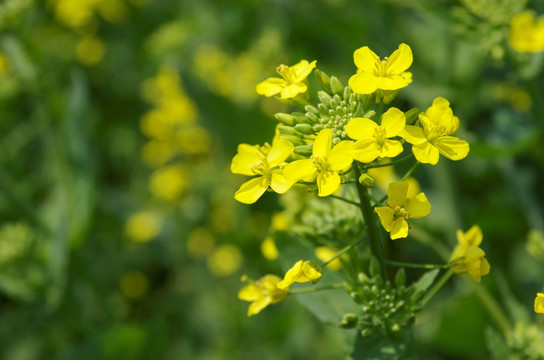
x=341, y=140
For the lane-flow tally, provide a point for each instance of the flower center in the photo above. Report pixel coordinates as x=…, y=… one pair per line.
x=380, y=67
x=286, y=73
x=380, y=135
x=401, y=212
x=320, y=163
x=436, y=132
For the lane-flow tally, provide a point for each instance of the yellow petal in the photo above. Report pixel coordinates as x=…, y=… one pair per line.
x=340, y=157
x=251, y=190
x=311, y=272
x=363, y=83
x=393, y=121
x=245, y=160
x=271, y=86
x=365, y=59
x=291, y=275
x=302, y=70
x=298, y=169
x=473, y=237
x=439, y=112
x=278, y=183
x=258, y=305
x=322, y=144
x=249, y=293
x=539, y=303
x=393, y=82
x=281, y=149
x=361, y=128
x=451, y=147
x=366, y=150
x=426, y=153
x=484, y=267
x=292, y=90
x=327, y=182
x=400, y=60
x=413, y=134
x=390, y=148
x=399, y=229
x=397, y=193
x=419, y=206
x=386, y=215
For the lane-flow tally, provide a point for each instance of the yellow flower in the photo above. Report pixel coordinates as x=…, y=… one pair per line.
x=373, y=140
x=539, y=303
x=527, y=32
x=301, y=272
x=264, y=161
x=169, y=182
x=387, y=74
x=467, y=256
x=293, y=82
x=324, y=162
x=143, y=226
x=438, y=123
x=269, y=249
x=324, y=253
x=225, y=260
x=400, y=208
x=262, y=293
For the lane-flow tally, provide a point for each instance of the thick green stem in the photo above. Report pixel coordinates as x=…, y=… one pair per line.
x=437, y=286
x=492, y=307
x=416, y=266
x=344, y=250
x=314, y=289
x=368, y=215
x=345, y=200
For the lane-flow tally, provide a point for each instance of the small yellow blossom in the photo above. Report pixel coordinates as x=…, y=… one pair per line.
x=264, y=161
x=262, y=293
x=527, y=32
x=293, y=82
x=468, y=256
x=269, y=249
x=387, y=74
x=373, y=140
x=325, y=162
x=400, y=208
x=539, y=303
x=434, y=139
x=324, y=253
x=301, y=272
x=143, y=226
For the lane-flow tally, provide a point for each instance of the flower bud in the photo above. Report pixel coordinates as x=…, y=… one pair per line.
x=349, y=321
x=323, y=80
x=285, y=118
x=336, y=85
x=411, y=115
x=400, y=277
x=366, y=180
x=305, y=129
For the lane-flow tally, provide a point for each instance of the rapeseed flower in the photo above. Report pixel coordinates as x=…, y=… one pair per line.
x=387, y=74
x=527, y=32
x=301, y=272
x=434, y=138
x=324, y=162
x=400, y=208
x=468, y=256
x=373, y=140
x=325, y=253
x=292, y=84
x=262, y=293
x=264, y=161
x=539, y=303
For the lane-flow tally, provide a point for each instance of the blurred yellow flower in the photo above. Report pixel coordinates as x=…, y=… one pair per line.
x=78, y=13
x=400, y=208
x=262, y=293
x=324, y=162
x=468, y=256
x=324, y=253
x=539, y=303
x=301, y=272
x=114, y=11
x=269, y=249
x=225, y=260
x=387, y=74
x=200, y=242
x=293, y=82
x=134, y=284
x=168, y=182
x=90, y=50
x=194, y=140
x=434, y=139
x=527, y=32
x=373, y=140
x=143, y=226
x=158, y=152
x=279, y=222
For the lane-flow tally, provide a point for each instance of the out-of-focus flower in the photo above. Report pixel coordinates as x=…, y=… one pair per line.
x=468, y=256
x=169, y=182
x=324, y=253
x=527, y=32
x=143, y=226
x=387, y=74
x=539, y=303
x=301, y=272
x=262, y=293
x=78, y=13
x=269, y=249
x=400, y=208
x=5, y=65
x=90, y=50
x=434, y=139
x=324, y=162
x=200, y=242
x=225, y=260
x=293, y=82
x=279, y=222
x=134, y=284
x=373, y=140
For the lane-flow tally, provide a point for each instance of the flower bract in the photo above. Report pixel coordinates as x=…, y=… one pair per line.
x=373, y=140
x=434, y=138
x=292, y=82
x=324, y=162
x=301, y=272
x=262, y=293
x=387, y=74
x=400, y=208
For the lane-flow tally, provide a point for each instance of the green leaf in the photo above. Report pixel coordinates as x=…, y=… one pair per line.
x=381, y=347
x=425, y=281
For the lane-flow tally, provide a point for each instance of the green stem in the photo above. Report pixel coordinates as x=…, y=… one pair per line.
x=416, y=266
x=368, y=215
x=492, y=307
x=407, y=157
x=379, y=112
x=345, y=200
x=410, y=172
x=314, y=289
x=344, y=250
x=437, y=286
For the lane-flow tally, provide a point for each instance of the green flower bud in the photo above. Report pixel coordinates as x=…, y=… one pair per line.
x=296, y=140
x=347, y=93
x=311, y=109
x=313, y=118
x=285, y=118
x=323, y=80
x=336, y=85
x=366, y=180
x=288, y=130
x=411, y=116
x=400, y=277
x=349, y=321
x=305, y=129
x=374, y=267
x=304, y=150
x=324, y=99
x=300, y=118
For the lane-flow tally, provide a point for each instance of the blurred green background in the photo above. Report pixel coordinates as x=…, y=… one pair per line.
x=119, y=234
